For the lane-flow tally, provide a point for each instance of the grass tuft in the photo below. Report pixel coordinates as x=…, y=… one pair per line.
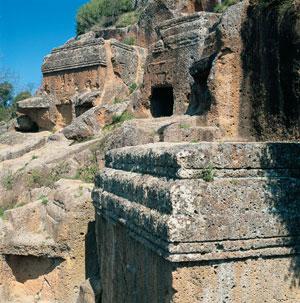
x=221, y=7
x=129, y=40
x=208, y=174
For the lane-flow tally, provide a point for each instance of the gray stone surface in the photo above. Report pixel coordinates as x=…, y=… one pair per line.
x=3, y=127
x=185, y=160
x=126, y=62
x=41, y=102
x=14, y=144
x=92, y=121
x=85, y=51
x=86, y=98
x=207, y=201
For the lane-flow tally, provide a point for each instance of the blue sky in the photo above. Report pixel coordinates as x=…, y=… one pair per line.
x=29, y=29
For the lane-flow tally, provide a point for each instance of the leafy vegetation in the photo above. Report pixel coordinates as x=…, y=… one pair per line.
x=40, y=178
x=2, y=210
x=44, y=199
x=104, y=13
x=129, y=40
x=127, y=19
x=8, y=103
x=8, y=181
x=117, y=100
x=117, y=120
x=221, y=7
x=6, y=93
x=122, y=118
x=184, y=126
x=133, y=87
x=208, y=174
x=88, y=172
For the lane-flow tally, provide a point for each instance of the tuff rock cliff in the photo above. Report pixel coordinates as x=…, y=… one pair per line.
x=197, y=198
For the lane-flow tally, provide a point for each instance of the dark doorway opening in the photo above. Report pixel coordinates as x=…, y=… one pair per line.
x=162, y=101
x=198, y=6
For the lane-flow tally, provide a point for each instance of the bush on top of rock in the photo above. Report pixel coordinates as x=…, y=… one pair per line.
x=101, y=12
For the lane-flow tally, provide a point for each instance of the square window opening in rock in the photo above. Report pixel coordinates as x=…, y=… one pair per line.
x=162, y=101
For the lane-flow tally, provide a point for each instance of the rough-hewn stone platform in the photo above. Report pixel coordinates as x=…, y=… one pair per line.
x=199, y=222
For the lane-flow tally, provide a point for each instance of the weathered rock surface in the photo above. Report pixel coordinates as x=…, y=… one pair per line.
x=3, y=127
x=188, y=213
x=253, y=80
x=150, y=14
x=29, y=161
x=271, y=68
x=14, y=145
x=46, y=246
x=39, y=111
x=202, y=221
x=182, y=42
x=83, y=73
x=228, y=107
x=93, y=121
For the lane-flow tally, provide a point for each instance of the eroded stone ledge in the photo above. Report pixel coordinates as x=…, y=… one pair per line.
x=182, y=160
x=160, y=193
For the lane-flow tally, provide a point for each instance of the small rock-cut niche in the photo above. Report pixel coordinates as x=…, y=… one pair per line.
x=162, y=101
x=80, y=109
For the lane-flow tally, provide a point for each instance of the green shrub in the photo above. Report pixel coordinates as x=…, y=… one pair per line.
x=208, y=174
x=6, y=93
x=8, y=181
x=5, y=113
x=88, y=172
x=117, y=100
x=40, y=178
x=9, y=109
x=184, y=126
x=133, y=87
x=117, y=120
x=129, y=40
x=221, y=7
x=127, y=19
x=122, y=118
x=101, y=12
x=2, y=210
x=22, y=96
x=44, y=199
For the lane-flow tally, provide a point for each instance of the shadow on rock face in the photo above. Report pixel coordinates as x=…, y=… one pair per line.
x=91, y=261
x=284, y=203
x=27, y=268
x=271, y=62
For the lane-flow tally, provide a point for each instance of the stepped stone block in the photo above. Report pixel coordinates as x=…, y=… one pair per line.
x=205, y=222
